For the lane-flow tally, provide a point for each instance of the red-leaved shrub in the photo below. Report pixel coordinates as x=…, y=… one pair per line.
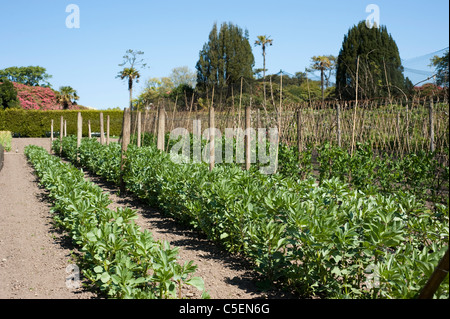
x=38, y=98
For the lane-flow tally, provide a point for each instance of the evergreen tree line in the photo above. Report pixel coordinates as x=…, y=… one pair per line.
x=368, y=67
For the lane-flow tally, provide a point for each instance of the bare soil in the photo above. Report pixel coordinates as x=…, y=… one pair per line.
x=34, y=254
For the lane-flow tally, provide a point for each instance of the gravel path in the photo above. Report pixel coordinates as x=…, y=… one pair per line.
x=34, y=256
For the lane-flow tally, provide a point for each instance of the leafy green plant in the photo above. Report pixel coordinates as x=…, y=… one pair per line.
x=318, y=239
x=121, y=260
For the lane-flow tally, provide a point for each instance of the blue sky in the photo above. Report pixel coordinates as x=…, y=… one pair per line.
x=172, y=32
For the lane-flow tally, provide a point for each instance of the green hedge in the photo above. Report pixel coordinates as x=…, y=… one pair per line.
x=32, y=123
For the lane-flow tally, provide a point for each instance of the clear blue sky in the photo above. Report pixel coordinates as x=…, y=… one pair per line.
x=172, y=32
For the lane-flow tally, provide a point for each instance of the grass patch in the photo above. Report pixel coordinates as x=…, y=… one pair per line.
x=5, y=140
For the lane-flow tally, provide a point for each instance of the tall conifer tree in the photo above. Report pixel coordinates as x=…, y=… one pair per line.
x=224, y=59
x=380, y=71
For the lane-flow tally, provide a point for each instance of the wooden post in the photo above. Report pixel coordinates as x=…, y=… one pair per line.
x=436, y=278
x=139, y=124
x=197, y=140
x=51, y=133
x=407, y=128
x=89, y=129
x=126, y=129
x=102, y=130
x=212, y=154
x=107, y=130
x=248, y=125
x=431, y=117
x=155, y=125
x=79, y=133
x=79, y=129
x=278, y=140
x=65, y=128
x=355, y=107
x=258, y=120
x=51, y=137
x=61, y=132
x=161, y=128
x=299, y=131
x=338, y=124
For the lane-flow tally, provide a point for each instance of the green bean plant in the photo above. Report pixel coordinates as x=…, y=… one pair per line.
x=323, y=238
x=118, y=258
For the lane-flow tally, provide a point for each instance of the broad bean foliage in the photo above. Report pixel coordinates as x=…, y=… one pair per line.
x=118, y=258
x=329, y=239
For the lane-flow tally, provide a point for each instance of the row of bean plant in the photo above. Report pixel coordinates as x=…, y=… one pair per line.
x=117, y=257
x=326, y=240
x=418, y=173
x=421, y=173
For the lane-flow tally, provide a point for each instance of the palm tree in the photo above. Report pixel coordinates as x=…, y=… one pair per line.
x=66, y=96
x=322, y=63
x=131, y=74
x=263, y=41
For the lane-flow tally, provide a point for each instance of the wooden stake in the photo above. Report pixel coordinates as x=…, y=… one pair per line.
x=107, y=130
x=431, y=118
x=89, y=129
x=126, y=129
x=212, y=155
x=338, y=124
x=79, y=129
x=248, y=114
x=356, y=106
x=61, y=133
x=161, y=128
x=102, y=130
x=299, y=131
x=79, y=133
x=139, y=129
x=436, y=278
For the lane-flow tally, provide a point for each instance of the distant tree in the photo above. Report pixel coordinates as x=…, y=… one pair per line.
x=178, y=86
x=380, y=72
x=264, y=41
x=66, y=96
x=323, y=64
x=131, y=73
x=30, y=75
x=8, y=95
x=301, y=77
x=154, y=89
x=224, y=60
x=257, y=73
x=183, y=75
x=442, y=72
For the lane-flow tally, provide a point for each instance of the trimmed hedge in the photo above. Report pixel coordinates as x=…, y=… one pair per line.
x=35, y=123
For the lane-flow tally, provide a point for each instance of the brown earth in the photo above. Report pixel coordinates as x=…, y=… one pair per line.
x=34, y=255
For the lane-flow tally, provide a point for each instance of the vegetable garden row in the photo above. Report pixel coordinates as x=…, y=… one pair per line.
x=117, y=257
x=330, y=240
x=420, y=173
